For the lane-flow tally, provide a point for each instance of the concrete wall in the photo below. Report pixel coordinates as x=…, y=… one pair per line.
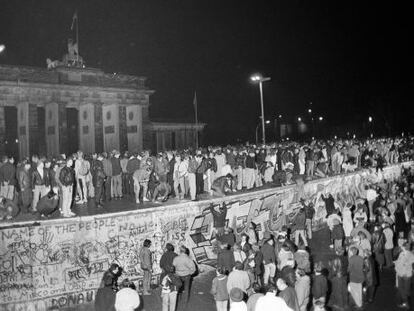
x=60, y=262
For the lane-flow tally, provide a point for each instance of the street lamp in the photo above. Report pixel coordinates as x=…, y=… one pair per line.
x=310, y=110
x=2, y=48
x=280, y=116
x=260, y=79
x=370, y=119
x=320, y=118
x=299, y=119
x=257, y=128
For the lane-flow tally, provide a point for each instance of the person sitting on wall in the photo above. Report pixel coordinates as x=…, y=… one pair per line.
x=49, y=203
x=161, y=192
x=222, y=185
x=8, y=209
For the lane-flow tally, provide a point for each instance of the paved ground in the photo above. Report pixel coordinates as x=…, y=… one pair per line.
x=202, y=300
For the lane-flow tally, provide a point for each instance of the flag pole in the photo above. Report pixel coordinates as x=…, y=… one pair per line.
x=196, y=117
x=77, y=38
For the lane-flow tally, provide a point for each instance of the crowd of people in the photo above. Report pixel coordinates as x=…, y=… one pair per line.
x=280, y=271
x=44, y=185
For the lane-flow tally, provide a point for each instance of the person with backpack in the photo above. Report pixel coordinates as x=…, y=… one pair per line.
x=82, y=168
x=171, y=284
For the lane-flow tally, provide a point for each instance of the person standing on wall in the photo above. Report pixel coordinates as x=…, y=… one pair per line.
x=7, y=178
x=82, y=168
x=107, y=166
x=25, y=186
x=67, y=179
x=116, y=181
x=145, y=257
x=38, y=183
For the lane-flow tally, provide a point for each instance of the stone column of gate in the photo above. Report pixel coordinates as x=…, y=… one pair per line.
x=87, y=141
x=55, y=128
x=23, y=128
x=110, y=120
x=134, y=127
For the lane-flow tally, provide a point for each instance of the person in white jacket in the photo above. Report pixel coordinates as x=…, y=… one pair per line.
x=180, y=174
x=82, y=169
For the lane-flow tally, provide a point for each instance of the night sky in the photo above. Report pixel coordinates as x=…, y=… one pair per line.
x=350, y=61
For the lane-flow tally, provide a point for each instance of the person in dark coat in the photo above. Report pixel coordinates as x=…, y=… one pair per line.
x=98, y=179
x=26, y=194
x=219, y=213
x=8, y=209
x=338, y=299
x=228, y=237
x=222, y=185
x=320, y=283
x=166, y=260
x=225, y=257
x=114, y=272
x=258, y=263
x=371, y=278
x=105, y=296
x=329, y=204
x=48, y=204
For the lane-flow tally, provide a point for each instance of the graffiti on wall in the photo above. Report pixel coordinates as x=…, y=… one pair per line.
x=60, y=263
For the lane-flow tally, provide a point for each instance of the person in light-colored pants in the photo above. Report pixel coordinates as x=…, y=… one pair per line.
x=269, y=271
x=300, y=234
x=7, y=191
x=309, y=228
x=249, y=177
x=116, y=186
x=67, y=192
x=192, y=184
x=169, y=301
x=222, y=305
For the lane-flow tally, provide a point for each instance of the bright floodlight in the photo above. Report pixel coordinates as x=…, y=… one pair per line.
x=300, y=119
x=256, y=77
x=2, y=48
x=335, y=137
x=267, y=122
x=310, y=110
x=320, y=118
x=369, y=119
